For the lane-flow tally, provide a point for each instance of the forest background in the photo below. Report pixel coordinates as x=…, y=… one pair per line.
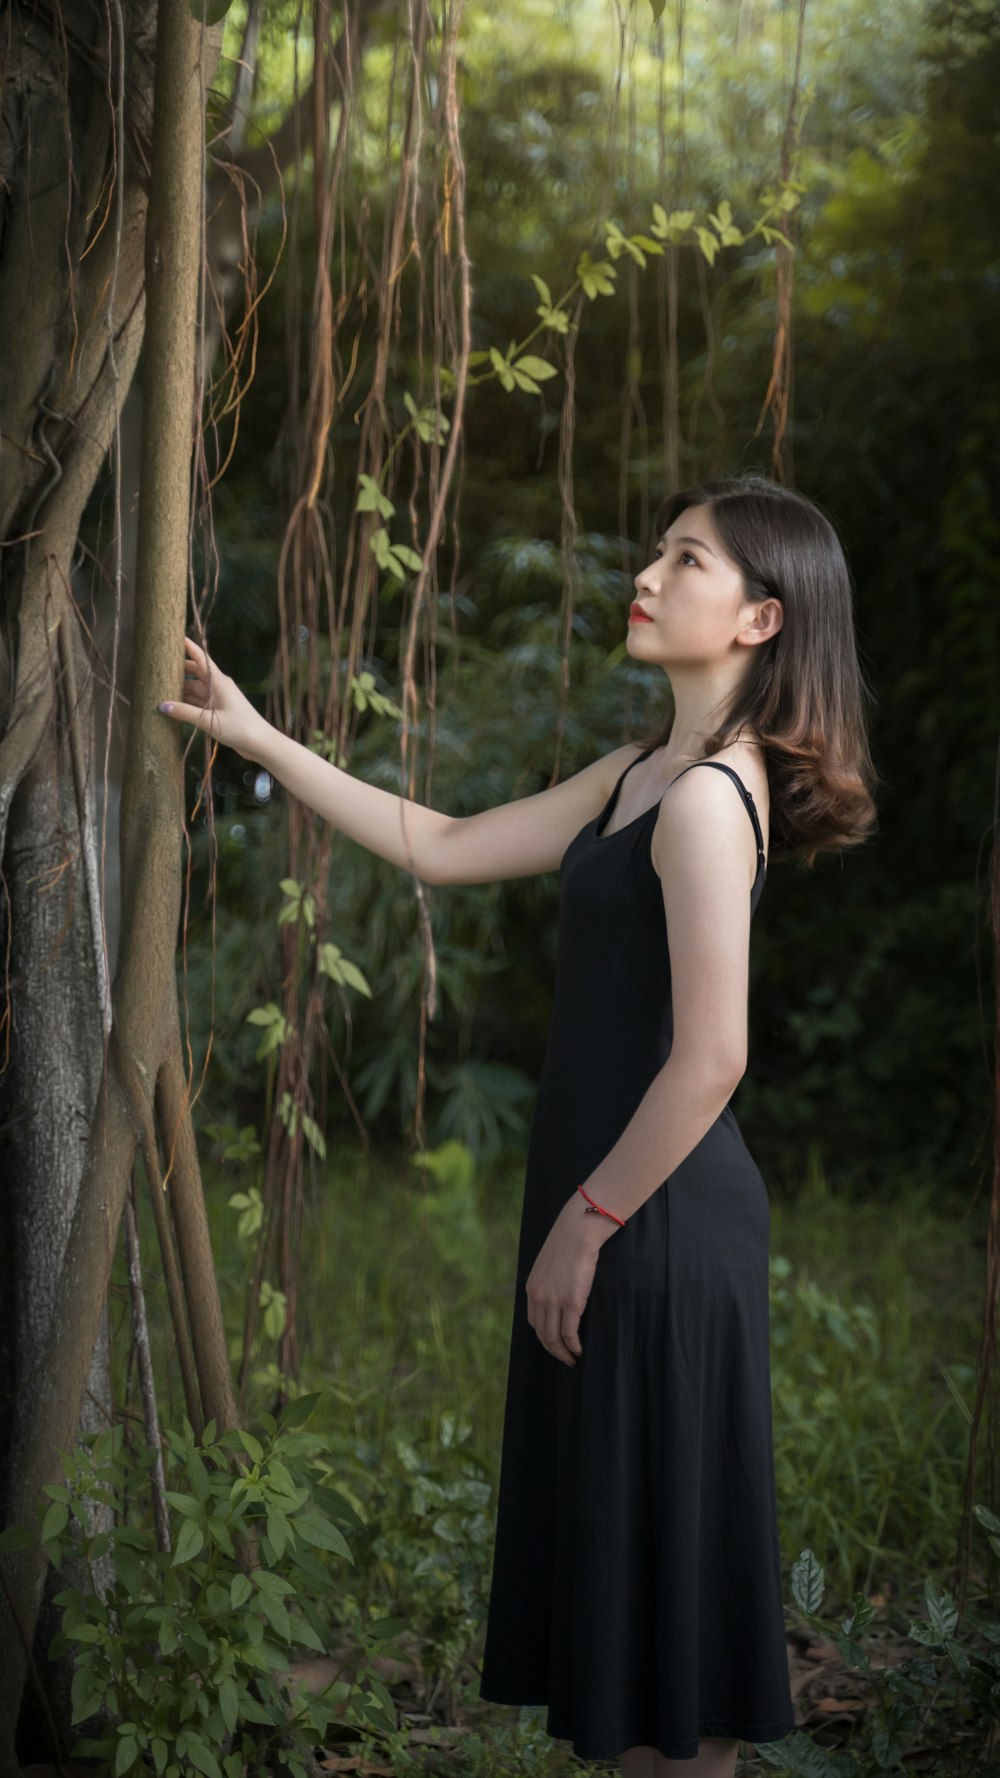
x=871, y=1043
x=810, y=290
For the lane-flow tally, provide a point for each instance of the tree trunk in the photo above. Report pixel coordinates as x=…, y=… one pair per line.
x=71, y=336
x=54, y=1352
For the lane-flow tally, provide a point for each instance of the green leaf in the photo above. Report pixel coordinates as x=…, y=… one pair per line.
x=304, y=1633
x=536, y=367
x=276, y=1616
x=958, y=1656
x=265, y=1015
x=616, y=239
x=277, y=1531
x=275, y=1584
x=372, y=499
x=557, y=319
x=887, y=1748
x=86, y=1694
x=852, y=1653
x=240, y=1590
x=55, y=1521
x=354, y=978
x=314, y=1529
x=502, y=368
x=297, y=1412
x=229, y=1703
x=808, y=1582
x=672, y=227
x=199, y=1476
x=597, y=279
x=202, y=1757
x=126, y=1755
x=190, y=1542
x=314, y=1135
x=941, y=1608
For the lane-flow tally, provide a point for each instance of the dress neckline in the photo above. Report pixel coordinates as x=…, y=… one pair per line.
x=609, y=808
x=610, y=805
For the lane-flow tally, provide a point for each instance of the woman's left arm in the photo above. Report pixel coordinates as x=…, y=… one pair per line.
x=704, y=852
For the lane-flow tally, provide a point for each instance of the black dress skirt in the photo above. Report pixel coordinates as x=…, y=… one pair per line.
x=636, y=1585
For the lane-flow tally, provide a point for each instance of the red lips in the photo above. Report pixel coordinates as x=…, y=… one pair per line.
x=637, y=615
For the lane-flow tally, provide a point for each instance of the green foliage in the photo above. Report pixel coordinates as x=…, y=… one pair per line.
x=869, y=1391
x=276, y=1028
x=428, y=1537
x=288, y=1112
x=947, y=1697
x=184, y=1656
x=407, y=1299
x=866, y=991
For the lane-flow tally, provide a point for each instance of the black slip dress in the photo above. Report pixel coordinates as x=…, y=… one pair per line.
x=636, y=1586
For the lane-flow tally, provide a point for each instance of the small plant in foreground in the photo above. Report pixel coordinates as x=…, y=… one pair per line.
x=183, y=1660
x=950, y=1682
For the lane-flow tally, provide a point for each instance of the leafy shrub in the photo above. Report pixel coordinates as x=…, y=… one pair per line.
x=182, y=1658
x=946, y=1692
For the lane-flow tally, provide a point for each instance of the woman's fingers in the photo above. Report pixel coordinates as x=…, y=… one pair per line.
x=553, y=1340
x=570, y=1332
x=186, y=713
x=203, y=716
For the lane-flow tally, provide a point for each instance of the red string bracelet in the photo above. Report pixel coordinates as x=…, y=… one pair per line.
x=600, y=1207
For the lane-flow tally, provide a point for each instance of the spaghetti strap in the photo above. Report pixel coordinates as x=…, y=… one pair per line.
x=748, y=800
x=608, y=809
x=632, y=762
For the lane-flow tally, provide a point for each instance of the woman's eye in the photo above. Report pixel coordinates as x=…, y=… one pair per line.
x=690, y=557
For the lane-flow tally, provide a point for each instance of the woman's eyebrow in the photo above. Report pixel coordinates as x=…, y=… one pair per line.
x=695, y=540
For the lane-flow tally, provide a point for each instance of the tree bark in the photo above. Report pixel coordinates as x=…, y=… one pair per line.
x=144, y=999
x=71, y=333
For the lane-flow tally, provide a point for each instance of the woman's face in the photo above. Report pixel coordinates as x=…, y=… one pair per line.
x=693, y=595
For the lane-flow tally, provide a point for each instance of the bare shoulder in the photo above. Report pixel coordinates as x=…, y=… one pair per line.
x=692, y=795
x=750, y=764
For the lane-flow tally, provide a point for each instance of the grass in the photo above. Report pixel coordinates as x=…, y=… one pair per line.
x=405, y=1300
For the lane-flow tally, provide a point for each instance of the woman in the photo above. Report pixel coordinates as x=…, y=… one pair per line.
x=637, y=1575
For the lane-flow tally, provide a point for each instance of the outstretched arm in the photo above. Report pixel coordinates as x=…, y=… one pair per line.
x=517, y=839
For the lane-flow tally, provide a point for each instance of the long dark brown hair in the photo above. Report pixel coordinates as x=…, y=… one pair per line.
x=803, y=698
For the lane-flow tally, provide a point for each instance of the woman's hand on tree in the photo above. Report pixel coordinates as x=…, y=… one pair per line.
x=559, y=1283
x=216, y=705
